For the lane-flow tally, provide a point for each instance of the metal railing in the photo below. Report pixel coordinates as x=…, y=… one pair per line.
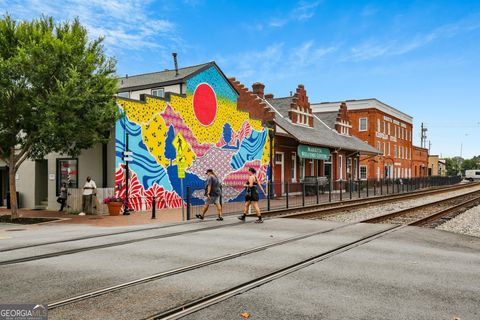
x=280, y=195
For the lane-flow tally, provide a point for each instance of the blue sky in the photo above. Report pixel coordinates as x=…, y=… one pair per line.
x=421, y=57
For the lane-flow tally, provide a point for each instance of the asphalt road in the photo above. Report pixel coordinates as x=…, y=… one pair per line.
x=409, y=274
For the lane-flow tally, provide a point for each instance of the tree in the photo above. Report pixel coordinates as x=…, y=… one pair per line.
x=56, y=92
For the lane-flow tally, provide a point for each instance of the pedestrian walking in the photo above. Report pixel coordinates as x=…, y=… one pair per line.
x=89, y=191
x=252, y=196
x=62, y=198
x=213, y=192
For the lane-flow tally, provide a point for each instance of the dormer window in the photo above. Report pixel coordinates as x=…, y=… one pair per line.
x=159, y=92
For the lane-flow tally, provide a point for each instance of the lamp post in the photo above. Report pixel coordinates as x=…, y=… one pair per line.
x=126, y=211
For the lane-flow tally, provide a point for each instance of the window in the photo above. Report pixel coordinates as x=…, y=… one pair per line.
x=124, y=94
x=384, y=149
x=340, y=167
x=378, y=125
x=363, y=172
x=394, y=151
x=355, y=167
x=378, y=145
x=362, y=124
x=403, y=133
x=67, y=171
x=294, y=167
x=278, y=158
x=388, y=148
x=384, y=126
x=160, y=92
x=389, y=128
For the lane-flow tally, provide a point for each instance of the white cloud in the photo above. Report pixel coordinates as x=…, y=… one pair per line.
x=371, y=49
x=303, y=11
x=275, y=62
x=125, y=24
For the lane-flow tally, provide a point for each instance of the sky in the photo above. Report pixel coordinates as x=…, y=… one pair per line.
x=421, y=57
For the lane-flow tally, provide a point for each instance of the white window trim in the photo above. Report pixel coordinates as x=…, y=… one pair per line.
x=340, y=166
x=360, y=124
x=294, y=166
x=159, y=89
x=366, y=172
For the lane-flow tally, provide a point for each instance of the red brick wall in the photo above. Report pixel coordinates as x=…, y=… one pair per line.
x=419, y=162
x=401, y=142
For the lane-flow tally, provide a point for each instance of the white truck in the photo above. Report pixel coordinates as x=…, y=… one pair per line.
x=472, y=174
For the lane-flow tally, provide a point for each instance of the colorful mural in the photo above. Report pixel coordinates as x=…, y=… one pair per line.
x=217, y=136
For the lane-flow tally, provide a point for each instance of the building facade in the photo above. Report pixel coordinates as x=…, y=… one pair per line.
x=382, y=127
x=419, y=161
x=180, y=123
x=304, y=146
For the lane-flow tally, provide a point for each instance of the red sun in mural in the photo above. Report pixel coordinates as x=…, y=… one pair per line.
x=205, y=104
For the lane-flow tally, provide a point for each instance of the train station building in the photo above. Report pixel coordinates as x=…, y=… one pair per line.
x=304, y=146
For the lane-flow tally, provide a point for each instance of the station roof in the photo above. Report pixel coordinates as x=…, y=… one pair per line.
x=329, y=118
x=320, y=135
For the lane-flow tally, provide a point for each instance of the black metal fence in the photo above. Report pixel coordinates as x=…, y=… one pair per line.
x=290, y=195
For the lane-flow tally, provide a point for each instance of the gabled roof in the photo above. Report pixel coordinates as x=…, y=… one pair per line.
x=318, y=135
x=329, y=118
x=162, y=78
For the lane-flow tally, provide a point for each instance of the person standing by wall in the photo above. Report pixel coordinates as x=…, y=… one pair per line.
x=212, y=192
x=62, y=199
x=252, y=196
x=89, y=191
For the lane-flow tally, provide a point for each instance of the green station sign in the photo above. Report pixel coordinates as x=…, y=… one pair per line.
x=309, y=152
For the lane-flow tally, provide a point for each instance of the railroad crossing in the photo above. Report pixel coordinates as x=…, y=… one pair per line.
x=308, y=266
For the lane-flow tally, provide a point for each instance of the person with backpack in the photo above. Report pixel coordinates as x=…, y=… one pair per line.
x=252, y=196
x=213, y=193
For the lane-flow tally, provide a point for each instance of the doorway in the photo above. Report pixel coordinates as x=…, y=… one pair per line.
x=3, y=185
x=279, y=175
x=41, y=184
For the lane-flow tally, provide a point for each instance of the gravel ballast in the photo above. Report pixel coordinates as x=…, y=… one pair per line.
x=466, y=223
x=378, y=210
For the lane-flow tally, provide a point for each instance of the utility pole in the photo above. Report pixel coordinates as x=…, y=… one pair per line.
x=423, y=135
x=429, y=146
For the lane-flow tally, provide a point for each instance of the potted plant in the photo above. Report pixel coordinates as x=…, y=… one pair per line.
x=114, y=205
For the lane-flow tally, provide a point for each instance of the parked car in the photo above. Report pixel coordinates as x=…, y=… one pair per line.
x=472, y=174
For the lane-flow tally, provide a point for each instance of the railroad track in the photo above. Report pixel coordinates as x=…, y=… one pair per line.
x=428, y=212
x=203, y=302
x=341, y=205
x=304, y=212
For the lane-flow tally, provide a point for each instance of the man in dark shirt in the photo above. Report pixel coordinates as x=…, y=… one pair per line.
x=212, y=193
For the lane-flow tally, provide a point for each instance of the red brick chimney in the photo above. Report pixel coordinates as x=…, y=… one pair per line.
x=258, y=89
x=269, y=96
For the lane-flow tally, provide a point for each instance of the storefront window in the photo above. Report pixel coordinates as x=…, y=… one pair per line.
x=67, y=171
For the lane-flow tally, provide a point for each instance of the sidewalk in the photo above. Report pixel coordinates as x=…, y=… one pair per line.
x=136, y=218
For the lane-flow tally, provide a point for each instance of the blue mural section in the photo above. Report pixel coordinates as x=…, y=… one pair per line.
x=143, y=164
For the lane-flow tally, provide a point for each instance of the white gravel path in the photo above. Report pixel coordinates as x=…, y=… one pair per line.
x=465, y=223
x=378, y=210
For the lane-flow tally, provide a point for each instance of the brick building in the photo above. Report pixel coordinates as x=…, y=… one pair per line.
x=419, y=161
x=304, y=145
x=381, y=126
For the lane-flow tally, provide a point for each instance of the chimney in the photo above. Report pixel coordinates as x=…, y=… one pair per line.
x=258, y=89
x=175, y=62
x=269, y=96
